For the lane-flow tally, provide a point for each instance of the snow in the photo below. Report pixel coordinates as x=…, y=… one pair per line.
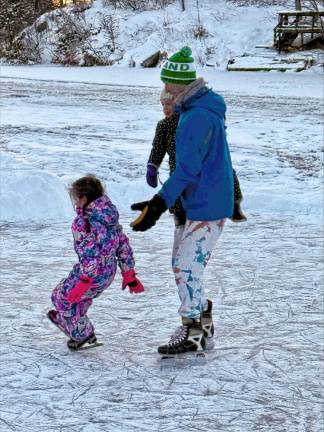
x=265, y=276
x=306, y=84
x=168, y=29
x=229, y=31
x=28, y=193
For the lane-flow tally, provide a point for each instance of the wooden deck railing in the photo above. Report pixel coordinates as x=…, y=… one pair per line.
x=294, y=23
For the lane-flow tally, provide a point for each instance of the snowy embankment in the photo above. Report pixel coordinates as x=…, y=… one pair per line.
x=34, y=176
x=216, y=32
x=29, y=193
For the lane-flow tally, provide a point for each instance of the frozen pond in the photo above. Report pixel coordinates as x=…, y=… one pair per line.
x=265, y=277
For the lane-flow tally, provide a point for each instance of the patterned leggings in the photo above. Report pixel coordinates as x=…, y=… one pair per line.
x=73, y=317
x=192, y=248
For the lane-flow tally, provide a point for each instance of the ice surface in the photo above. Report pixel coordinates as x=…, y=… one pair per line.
x=265, y=276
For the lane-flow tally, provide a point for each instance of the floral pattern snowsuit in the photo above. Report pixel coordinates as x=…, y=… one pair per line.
x=100, y=244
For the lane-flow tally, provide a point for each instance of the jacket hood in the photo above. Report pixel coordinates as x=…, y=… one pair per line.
x=102, y=211
x=207, y=99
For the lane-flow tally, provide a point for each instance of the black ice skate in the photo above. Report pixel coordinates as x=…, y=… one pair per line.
x=89, y=342
x=187, y=338
x=238, y=215
x=207, y=320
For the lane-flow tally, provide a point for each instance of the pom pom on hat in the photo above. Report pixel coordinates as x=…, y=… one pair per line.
x=186, y=51
x=179, y=68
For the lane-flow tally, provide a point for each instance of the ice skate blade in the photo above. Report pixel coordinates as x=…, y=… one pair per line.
x=210, y=344
x=192, y=354
x=86, y=347
x=191, y=358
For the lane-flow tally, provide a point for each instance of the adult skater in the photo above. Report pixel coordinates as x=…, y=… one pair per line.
x=164, y=143
x=203, y=177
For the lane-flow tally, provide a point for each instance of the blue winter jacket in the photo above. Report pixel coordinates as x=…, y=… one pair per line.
x=204, y=175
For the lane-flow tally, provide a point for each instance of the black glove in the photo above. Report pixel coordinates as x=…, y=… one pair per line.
x=140, y=205
x=151, y=212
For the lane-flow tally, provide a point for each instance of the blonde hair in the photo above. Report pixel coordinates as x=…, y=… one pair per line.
x=166, y=96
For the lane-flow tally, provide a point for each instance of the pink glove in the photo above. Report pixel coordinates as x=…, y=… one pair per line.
x=80, y=288
x=130, y=280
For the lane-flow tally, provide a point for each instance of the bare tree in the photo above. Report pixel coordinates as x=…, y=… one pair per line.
x=315, y=5
x=30, y=45
x=199, y=31
x=110, y=28
x=15, y=15
x=263, y=3
x=77, y=42
x=137, y=5
x=73, y=32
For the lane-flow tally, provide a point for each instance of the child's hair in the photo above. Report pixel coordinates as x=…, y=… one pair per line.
x=88, y=186
x=166, y=96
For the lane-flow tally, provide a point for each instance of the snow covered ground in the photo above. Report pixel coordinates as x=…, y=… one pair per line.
x=225, y=31
x=265, y=277
x=216, y=31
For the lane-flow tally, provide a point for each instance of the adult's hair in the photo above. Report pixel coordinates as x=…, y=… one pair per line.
x=166, y=96
x=88, y=186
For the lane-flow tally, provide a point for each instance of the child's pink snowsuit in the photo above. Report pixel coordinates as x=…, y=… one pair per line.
x=99, y=243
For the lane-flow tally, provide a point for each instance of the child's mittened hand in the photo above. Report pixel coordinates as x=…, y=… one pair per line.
x=152, y=175
x=130, y=280
x=80, y=288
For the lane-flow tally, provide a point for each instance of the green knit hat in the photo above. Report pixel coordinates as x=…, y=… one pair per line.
x=179, y=68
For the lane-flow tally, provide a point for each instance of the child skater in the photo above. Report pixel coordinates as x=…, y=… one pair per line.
x=164, y=142
x=100, y=244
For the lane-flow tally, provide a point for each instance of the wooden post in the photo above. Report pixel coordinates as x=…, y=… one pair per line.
x=298, y=5
x=198, y=15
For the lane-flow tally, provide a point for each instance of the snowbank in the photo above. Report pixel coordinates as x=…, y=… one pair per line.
x=268, y=201
x=28, y=193
x=252, y=83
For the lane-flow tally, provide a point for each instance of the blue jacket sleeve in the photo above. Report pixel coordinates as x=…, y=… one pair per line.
x=192, y=145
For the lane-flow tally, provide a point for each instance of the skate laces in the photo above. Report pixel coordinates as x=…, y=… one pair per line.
x=179, y=335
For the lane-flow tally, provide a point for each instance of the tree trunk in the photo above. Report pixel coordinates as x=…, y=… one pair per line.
x=183, y=5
